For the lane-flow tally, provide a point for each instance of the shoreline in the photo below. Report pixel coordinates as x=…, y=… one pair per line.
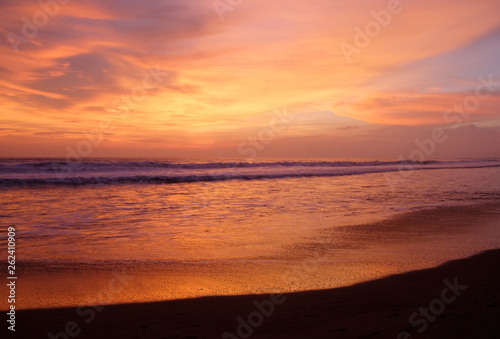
x=374, y=309
x=326, y=260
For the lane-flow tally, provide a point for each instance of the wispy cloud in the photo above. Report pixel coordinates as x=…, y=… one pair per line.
x=226, y=76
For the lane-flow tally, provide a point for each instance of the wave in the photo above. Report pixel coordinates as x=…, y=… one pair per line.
x=114, y=166
x=237, y=173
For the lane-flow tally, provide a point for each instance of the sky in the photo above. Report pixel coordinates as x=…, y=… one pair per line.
x=415, y=79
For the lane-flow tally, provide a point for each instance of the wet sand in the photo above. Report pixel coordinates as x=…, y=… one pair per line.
x=374, y=309
x=335, y=257
x=131, y=295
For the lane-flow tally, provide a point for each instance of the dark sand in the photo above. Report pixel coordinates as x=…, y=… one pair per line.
x=374, y=309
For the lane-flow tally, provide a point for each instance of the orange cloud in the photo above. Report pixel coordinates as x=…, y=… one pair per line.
x=226, y=77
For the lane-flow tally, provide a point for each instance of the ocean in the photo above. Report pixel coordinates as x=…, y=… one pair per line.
x=178, y=210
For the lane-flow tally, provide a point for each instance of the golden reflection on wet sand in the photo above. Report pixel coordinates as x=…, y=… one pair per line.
x=331, y=258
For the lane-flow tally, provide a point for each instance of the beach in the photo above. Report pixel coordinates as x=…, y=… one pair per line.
x=377, y=302
x=249, y=169
x=341, y=253
x=374, y=309
x=335, y=257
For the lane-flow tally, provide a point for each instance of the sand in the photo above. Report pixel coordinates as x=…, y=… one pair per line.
x=335, y=257
x=129, y=296
x=374, y=309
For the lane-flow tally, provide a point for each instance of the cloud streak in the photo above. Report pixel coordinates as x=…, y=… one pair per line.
x=227, y=76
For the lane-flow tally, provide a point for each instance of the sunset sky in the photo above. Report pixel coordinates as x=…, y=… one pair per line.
x=227, y=69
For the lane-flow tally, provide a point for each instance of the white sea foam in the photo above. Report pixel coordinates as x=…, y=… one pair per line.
x=56, y=172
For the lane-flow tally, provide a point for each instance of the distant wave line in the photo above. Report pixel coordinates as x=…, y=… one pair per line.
x=173, y=179
x=99, y=166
